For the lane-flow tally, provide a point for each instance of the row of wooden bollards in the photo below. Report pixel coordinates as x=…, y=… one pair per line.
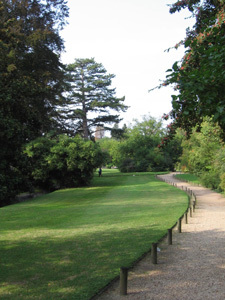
x=154, y=248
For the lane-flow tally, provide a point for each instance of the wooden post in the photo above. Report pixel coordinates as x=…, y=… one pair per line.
x=186, y=217
x=154, y=253
x=190, y=211
x=179, y=225
x=169, y=236
x=123, y=280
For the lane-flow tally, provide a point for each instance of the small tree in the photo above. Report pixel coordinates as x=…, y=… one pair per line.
x=91, y=100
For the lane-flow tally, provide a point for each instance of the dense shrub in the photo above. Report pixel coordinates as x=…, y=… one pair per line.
x=210, y=179
x=127, y=165
x=204, y=155
x=222, y=182
x=12, y=178
x=10, y=182
x=62, y=162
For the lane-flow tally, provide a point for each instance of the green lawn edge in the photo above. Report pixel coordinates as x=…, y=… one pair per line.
x=188, y=178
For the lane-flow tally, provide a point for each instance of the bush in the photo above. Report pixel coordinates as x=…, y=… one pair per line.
x=204, y=154
x=127, y=165
x=222, y=183
x=10, y=181
x=210, y=179
x=61, y=163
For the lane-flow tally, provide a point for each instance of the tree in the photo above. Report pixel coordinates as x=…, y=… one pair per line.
x=140, y=150
x=31, y=72
x=118, y=133
x=92, y=100
x=109, y=147
x=199, y=78
x=31, y=80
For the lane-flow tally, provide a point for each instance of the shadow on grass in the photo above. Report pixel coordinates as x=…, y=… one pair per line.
x=73, y=208
x=70, y=268
x=60, y=247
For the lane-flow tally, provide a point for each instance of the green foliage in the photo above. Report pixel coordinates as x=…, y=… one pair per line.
x=31, y=81
x=211, y=179
x=62, y=162
x=71, y=243
x=91, y=92
x=109, y=147
x=199, y=77
x=200, y=150
x=10, y=184
x=203, y=154
x=141, y=150
x=31, y=73
x=118, y=133
x=222, y=182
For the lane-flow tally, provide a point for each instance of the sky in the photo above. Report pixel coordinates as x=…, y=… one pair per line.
x=129, y=38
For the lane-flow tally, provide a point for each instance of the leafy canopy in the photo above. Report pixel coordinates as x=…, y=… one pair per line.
x=199, y=78
x=31, y=80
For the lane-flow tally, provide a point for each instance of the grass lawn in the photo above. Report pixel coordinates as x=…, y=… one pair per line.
x=70, y=243
x=189, y=177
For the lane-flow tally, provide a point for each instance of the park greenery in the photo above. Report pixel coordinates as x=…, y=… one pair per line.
x=31, y=81
x=70, y=243
x=63, y=162
x=189, y=178
x=47, y=108
x=204, y=155
x=37, y=92
x=198, y=102
x=198, y=78
x=139, y=149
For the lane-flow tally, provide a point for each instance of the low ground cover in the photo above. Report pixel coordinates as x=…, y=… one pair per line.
x=70, y=243
x=189, y=177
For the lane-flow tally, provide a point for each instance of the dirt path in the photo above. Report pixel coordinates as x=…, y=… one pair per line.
x=193, y=268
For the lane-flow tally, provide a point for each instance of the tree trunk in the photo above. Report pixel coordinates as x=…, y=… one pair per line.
x=85, y=124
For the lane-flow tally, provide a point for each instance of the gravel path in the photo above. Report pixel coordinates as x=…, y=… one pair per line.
x=193, y=268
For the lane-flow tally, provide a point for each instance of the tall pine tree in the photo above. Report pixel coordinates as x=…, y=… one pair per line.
x=92, y=101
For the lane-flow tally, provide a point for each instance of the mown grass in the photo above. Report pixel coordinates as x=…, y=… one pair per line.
x=70, y=243
x=189, y=177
